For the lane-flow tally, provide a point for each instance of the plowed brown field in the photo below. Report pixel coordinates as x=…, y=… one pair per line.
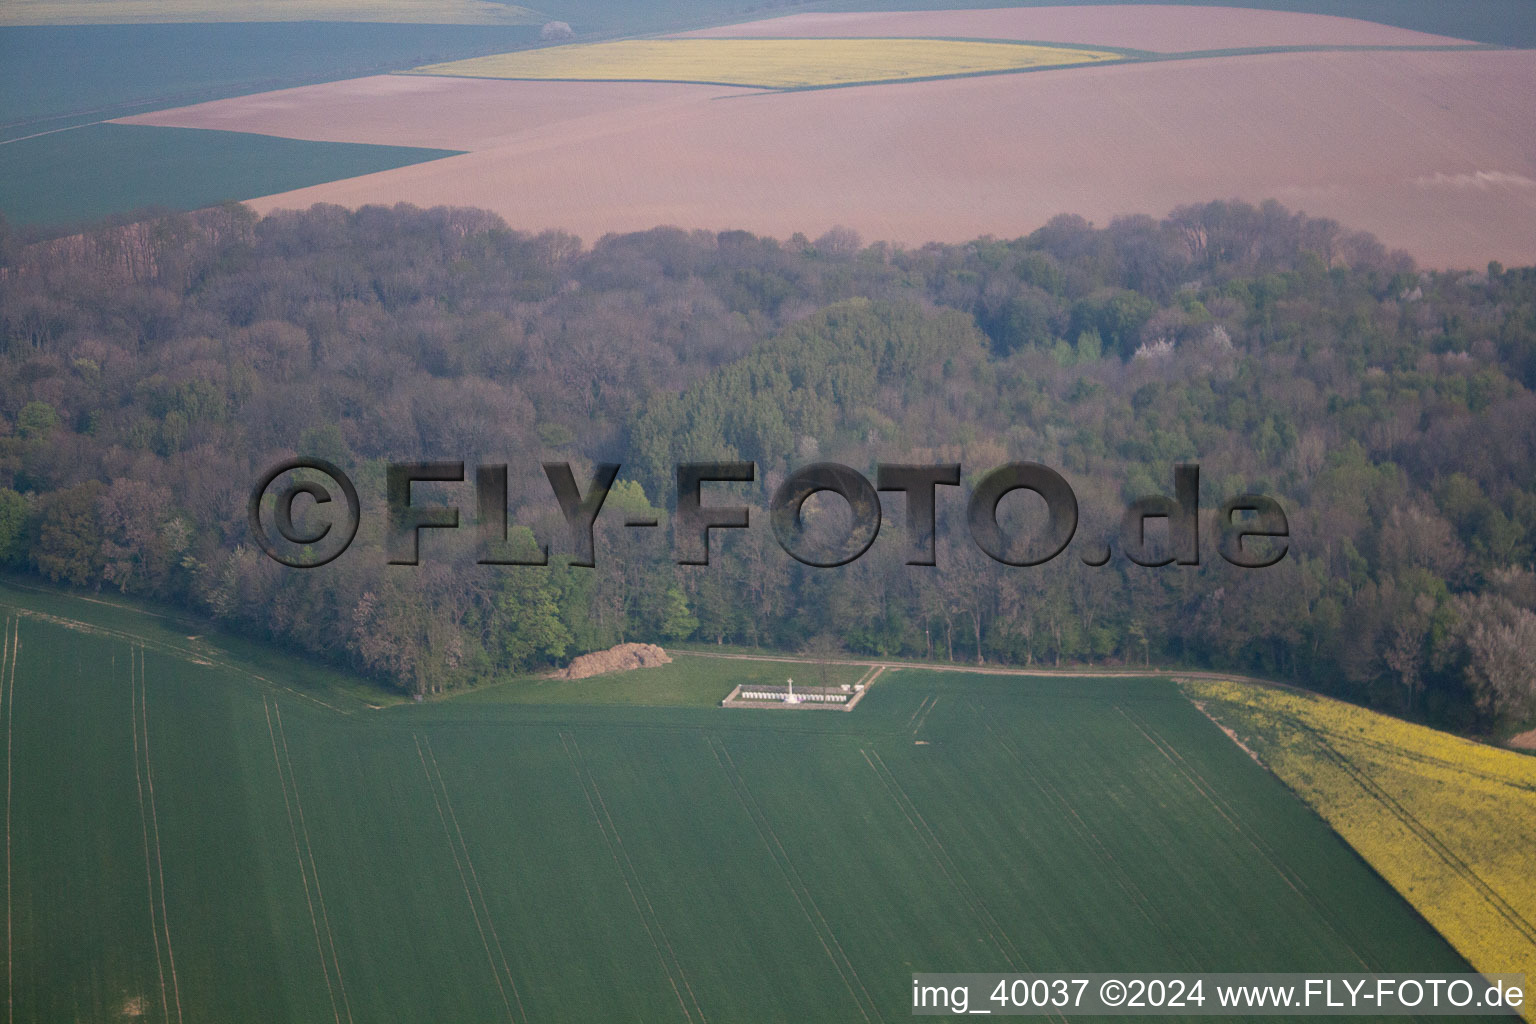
x=1434, y=152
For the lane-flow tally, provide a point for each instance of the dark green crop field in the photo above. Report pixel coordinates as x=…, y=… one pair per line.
x=195, y=837
x=55, y=76
x=102, y=169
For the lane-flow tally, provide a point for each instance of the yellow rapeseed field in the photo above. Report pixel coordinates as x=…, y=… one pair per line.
x=1451, y=824
x=96, y=12
x=769, y=63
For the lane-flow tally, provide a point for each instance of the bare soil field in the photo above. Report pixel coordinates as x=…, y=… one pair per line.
x=460, y=113
x=1434, y=152
x=1163, y=28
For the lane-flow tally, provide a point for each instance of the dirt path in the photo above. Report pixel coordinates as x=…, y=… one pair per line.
x=989, y=670
x=1523, y=741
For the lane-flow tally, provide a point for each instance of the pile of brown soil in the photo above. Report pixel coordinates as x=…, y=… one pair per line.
x=616, y=659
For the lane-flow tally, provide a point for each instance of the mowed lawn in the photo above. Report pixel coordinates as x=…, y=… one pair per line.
x=195, y=842
x=770, y=63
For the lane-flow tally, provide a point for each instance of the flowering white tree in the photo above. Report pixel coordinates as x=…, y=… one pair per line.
x=1501, y=646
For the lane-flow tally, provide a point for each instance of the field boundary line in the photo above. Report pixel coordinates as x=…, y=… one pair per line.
x=325, y=969
x=1164, y=748
x=610, y=833
x=1295, y=882
x=797, y=887
x=51, y=131
x=474, y=911
x=475, y=877
x=1127, y=884
x=314, y=869
x=149, y=878
x=941, y=856
x=1088, y=673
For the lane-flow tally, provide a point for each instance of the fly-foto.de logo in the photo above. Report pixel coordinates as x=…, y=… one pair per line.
x=314, y=511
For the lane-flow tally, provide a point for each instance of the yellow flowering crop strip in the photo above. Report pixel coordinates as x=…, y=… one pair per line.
x=767, y=63
x=1451, y=824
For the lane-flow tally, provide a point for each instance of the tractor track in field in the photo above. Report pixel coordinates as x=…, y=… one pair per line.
x=1138, y=898
x=941, y=856
x=154, y=864
x=1395, y=809
x=1149, y=708
x=671, y=964
x=480, y=911
x=296, y=826
x=1437, y=762
x=11, y=649
x=797, y=887
x=325, y=917
x=1426, y=835
x=1234, y=818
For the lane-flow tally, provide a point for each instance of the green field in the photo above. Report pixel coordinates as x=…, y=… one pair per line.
x=102, y=169
x=195, y=840
x=426, y=12
x=135, y=68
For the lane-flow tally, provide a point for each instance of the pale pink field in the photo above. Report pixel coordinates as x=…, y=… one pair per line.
x=1164, y=28
x=441, y=113
x=1433, y=152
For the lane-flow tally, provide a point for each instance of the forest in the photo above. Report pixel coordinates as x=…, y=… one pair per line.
x=153, y=371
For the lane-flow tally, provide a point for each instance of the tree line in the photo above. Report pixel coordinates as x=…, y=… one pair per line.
x=153, y=371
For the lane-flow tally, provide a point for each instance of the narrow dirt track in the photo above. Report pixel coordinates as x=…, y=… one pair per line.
x=988, y=670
